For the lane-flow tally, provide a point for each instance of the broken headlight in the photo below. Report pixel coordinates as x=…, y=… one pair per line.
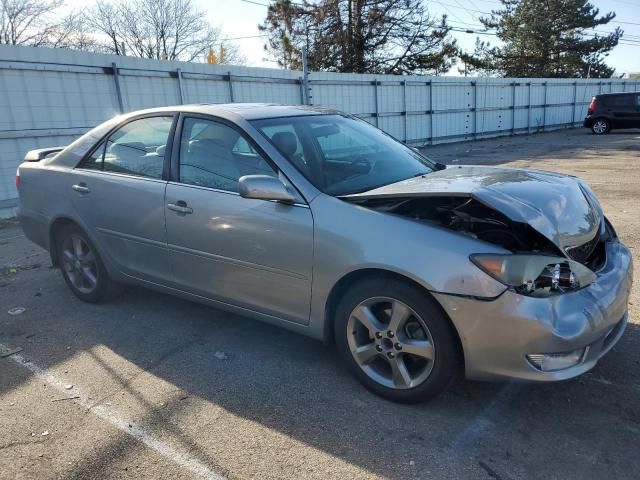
x=535, y=275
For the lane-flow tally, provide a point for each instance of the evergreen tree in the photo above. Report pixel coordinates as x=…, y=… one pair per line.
x=361, y=36
x=545, y=38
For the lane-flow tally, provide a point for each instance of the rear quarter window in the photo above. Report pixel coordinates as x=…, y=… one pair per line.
x=620, y=100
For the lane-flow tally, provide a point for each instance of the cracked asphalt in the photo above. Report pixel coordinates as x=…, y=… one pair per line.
x=134, y=388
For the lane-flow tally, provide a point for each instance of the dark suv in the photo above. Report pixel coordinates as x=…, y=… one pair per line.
x=613, y=110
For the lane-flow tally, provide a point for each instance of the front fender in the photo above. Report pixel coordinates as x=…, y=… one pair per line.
x=348, y=238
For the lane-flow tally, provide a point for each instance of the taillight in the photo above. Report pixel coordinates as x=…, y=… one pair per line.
x=592, y=105
x=18, y=179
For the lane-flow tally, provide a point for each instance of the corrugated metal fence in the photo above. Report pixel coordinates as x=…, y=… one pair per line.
x=48, y=97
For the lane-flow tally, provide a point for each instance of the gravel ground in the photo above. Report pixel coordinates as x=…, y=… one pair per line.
x=171, y=389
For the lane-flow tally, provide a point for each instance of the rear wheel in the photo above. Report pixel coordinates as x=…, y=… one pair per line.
x=82, y=267
x=601, y=126
x=396, y=341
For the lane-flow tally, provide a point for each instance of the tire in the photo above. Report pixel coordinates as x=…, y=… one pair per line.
x=391, y=371
x=82, y=268
x=601, y=126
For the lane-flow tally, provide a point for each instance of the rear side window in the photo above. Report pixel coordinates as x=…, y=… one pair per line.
x=620, y=101
x=138, y=148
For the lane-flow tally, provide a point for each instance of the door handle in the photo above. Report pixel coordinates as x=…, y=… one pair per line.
x=180, y=207
x=81, y=187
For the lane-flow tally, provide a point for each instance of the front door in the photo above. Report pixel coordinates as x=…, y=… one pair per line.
x=118, y=191
x=255, y=254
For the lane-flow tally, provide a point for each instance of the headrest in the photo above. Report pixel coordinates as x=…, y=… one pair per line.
x=286, y=142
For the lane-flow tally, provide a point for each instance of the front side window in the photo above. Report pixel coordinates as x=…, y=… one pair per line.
x=343, y=155
x=138, y=148
x=215, y=155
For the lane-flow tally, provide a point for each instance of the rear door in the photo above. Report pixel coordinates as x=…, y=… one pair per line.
x=251, y=253
x=118, y=191
x=636, y=112
x=623, y=109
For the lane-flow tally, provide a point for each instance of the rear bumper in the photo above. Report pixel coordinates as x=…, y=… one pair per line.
x=497, y=335
x=588, y=122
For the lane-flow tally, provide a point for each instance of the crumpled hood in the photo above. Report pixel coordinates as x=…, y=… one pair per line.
x=560, y=207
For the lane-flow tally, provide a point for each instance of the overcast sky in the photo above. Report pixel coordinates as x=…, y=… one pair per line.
x=239, y=18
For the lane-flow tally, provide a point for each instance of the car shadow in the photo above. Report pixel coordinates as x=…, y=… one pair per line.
x=294, y=385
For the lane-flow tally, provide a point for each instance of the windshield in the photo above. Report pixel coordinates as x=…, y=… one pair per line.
x=341, y=155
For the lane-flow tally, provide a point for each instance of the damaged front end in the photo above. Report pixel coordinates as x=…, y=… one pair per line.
x=465, y=215
x=537, y=266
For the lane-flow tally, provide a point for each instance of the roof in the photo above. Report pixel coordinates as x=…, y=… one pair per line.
x=248, y=111
x=616, y=93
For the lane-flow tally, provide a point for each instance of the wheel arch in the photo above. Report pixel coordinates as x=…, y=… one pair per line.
x=54, y=229
x=343, y=284
x=63, y=221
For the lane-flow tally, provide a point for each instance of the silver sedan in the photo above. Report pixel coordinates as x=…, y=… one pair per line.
x=318, y=222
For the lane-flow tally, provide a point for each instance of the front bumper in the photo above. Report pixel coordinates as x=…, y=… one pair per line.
x=497, y=335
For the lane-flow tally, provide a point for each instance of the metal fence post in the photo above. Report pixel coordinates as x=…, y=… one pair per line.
x=513, y=109
x=375, y=99
x=117, y=82
x=431, y=112
x=301, y=83
x=230, y=88
x=544, y=110
x=529, y=110
x=404, y=108
x=475, y=109
x=575, y=99
x=180, y=86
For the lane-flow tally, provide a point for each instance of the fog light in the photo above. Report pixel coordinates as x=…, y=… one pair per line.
x=551, y=362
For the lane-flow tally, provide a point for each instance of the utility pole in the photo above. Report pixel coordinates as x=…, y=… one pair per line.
x=305, y=77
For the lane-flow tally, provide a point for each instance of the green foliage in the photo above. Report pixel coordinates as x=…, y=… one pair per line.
x=360, y=36
x=545, y=38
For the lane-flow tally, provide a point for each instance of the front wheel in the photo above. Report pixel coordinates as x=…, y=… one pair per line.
x=601, y=126
x=82, y=267
x=396, y=340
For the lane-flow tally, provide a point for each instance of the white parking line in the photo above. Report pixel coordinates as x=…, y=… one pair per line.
x=177, y=456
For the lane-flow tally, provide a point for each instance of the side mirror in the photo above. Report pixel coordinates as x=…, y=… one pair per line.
x=264, y=187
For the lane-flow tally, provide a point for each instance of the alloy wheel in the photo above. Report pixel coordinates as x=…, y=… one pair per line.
x=390, y=343
x=80, y=264
x=600, y=127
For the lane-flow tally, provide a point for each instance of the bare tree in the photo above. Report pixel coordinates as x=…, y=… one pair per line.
x=159, y=29
x=26, y=22
x=73, y=32
x=104, y=19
